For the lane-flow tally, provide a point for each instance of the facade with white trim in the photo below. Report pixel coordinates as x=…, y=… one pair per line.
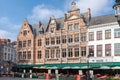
x=105, y=41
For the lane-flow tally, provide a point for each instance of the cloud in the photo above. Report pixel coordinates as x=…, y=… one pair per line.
x=8, y=29
x=43, y=13
x=7, y=35
x=6, y=23
x=98, y=7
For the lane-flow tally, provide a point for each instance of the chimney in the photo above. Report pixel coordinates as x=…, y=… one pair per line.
x=39, y=24
x=65, y=17
x=89, y=14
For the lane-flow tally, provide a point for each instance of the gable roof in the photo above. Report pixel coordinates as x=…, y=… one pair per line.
x=103, y=19
x=60, y=22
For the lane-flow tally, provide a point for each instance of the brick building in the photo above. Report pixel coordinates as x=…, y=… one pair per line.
x=75, y=41
x=61, y=40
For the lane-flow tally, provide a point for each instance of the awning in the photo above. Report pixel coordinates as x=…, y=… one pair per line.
x=75, y=67
x=67, y=67
x=54, y=67
x=84, y=67
x=36, y=67
x=104, y=67
x=44, y=67
x=116, y=67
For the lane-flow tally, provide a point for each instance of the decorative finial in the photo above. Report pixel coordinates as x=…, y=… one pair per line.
x=73, y=4
x=25, y=20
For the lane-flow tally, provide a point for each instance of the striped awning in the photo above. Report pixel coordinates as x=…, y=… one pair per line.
x=103, y=65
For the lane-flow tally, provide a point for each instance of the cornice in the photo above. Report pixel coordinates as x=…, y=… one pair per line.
x=102, y=25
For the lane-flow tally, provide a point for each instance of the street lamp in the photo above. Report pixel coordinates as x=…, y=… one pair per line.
x=116, y=7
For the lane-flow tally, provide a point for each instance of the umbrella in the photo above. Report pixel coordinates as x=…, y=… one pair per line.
x=98, y=75
x=103, y=77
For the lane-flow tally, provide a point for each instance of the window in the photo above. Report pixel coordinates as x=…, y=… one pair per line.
x=107, y=49
x=39, y=42
x=76, y=27
x=83, y=37
x=63, y=53
x=29, y=42
x=39, y=55
x=107, y=34
x=19, y=55
x=25, y=32
x=99, y=50
x=76, y=52
x=76, y=38
x=5, y=49
x=99, y=35
x=20, y=44
x=91, y=50
x=52, y=53
x=52, y=40
x=47, y=41
x=46, y=53
x=70, y=54
x=24, y=55
x=8, y=56
x=63, y=39
x=58, y=40
x=5, y=56
x=24, y=43
x=117, y=49
x=8, y=50
x=58, y=53
x=70, y=27
x=83, y=51
x=70, y=38
x=91, y=36
x=29, y=54
x=117, y=33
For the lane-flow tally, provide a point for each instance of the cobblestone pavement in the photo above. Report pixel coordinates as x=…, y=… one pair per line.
x=11, y=78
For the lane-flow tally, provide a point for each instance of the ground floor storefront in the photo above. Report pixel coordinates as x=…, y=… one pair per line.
x=73, y=71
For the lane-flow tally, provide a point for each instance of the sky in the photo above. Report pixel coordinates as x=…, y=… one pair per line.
x=13, y=12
